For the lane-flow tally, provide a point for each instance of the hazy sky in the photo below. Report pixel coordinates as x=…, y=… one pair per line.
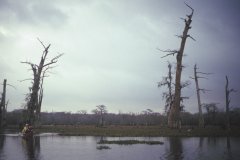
x=111, y=54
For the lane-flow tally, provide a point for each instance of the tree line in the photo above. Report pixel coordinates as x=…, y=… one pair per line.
x=146, y=117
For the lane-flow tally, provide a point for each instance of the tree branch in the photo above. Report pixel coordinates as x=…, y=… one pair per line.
x=204, y=90
x=28, y=79
x=170, y=52
x=190, y=8
x=202, y=77
x=191, y=37
x=204, y=73
x=54, y=60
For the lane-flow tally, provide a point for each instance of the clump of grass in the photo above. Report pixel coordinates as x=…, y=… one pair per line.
x=130, y=142
x=103, y=147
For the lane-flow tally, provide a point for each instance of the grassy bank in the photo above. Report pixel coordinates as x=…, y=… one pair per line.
x=135, y=131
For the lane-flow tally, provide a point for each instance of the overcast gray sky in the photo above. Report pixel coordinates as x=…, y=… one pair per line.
x=111, y=54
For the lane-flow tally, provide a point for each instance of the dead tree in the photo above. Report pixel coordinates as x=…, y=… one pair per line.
x=174, y=114
x=34, y=98
x=228, y=100
x=167, y=81
x=198, y=75
x=3, y=105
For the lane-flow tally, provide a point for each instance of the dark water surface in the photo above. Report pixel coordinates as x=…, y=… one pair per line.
x=54, y=147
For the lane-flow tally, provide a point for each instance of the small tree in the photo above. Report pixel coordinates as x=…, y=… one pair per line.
x=167, y=81
x=34, y=98
x=100, y=110
x=169, y=94
x=228, y=100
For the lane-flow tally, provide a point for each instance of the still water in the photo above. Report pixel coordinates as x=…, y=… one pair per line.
x=54, y=147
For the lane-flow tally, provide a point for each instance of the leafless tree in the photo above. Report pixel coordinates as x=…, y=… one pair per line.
x=228, y=100
x=167, y=81
x=34, y=98
x=198, y=75
x=174, y=113
x=3, y=105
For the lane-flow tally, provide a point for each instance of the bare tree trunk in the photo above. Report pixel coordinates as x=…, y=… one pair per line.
x=174, y=115
x=200, y=116
x=3, y=105
x=227, y=92
x=170, y=87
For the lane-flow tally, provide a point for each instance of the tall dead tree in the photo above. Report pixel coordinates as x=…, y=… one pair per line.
x=228, y=100
x=174, y=114
x=34, y=98
x=3, y=105
x=198, y=75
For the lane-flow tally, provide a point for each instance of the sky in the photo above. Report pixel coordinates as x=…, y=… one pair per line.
x=111, y=54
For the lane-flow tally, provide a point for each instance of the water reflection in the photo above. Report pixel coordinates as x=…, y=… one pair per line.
x=55, y=147
x=229, y=152
x=175, y=149
x=32, y=148
x=201, y=142
x=2, y=141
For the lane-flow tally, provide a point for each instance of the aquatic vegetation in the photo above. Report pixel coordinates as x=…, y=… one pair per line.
x=130, y=142
x=103, y=147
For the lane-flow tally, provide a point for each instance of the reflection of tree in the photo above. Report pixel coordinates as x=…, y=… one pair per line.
x=2, y=140
x=212, y=141
x=32, y=147
x=229, y=152
x=175, y=149
x=201, y=142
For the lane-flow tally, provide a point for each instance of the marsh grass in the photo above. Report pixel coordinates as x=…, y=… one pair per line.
x=136, y=131
x=130, y=142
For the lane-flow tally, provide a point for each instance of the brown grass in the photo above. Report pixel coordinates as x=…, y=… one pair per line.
x=135, y=131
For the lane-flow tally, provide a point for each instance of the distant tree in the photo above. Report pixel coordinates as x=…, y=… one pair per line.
x=147, y=111
x=100, y=110
x=228, y=100
x=147, y=116
x=211, y=109
x=34, y=98
x=174, y=113
x=81, y=115
x=83, y=112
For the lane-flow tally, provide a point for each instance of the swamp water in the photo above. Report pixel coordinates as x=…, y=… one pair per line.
x=54, y=147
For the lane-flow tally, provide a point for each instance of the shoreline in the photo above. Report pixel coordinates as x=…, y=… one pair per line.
x=133, y=131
